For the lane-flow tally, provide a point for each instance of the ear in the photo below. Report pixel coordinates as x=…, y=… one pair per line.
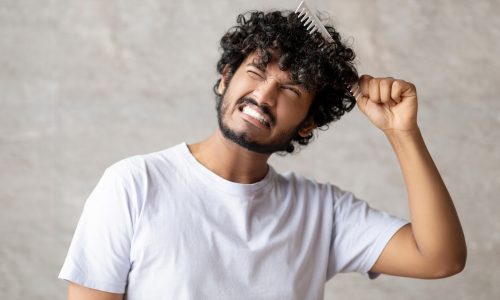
x=222, y=84
x=307, y=128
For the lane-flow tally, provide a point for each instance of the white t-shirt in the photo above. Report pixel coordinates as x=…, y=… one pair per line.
x=162, y=226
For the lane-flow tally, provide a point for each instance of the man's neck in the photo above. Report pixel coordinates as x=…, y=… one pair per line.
x=229, y=160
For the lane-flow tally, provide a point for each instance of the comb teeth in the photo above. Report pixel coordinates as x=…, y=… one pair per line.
x=356, y=91
x=312, y=22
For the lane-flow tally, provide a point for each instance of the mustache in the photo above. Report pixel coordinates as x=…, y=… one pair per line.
x=264, y=109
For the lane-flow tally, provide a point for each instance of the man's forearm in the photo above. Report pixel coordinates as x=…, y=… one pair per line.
x=435, y=223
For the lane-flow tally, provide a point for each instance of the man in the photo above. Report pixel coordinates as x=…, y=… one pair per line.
x=212, y=220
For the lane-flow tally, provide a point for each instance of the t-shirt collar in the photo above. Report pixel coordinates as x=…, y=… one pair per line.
x=223, y=184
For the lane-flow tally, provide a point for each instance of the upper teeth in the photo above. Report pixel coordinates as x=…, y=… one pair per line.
x=253, y=113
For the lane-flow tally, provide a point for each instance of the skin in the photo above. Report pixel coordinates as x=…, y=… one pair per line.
x=78, y=292
x=432, y=246
x=271, y=88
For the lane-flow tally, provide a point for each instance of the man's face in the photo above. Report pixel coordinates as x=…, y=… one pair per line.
x=261, y=109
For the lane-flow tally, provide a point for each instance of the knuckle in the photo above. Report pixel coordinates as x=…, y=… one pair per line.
x=398, y=83
x=386, y=82
x=374, y=82
x=365, y=77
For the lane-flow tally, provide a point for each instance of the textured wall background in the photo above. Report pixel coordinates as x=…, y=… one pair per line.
x=86, y=83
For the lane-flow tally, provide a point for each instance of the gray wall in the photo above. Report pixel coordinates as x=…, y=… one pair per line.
x=86, y=83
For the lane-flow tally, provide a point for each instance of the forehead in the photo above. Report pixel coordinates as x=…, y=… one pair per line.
x=255, y=59
x=272, y=68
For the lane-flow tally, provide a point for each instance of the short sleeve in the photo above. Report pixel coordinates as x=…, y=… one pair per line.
x=99, y=254
x=359, y=234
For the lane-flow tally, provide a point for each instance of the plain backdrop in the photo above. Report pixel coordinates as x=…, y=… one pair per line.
x=84, y=84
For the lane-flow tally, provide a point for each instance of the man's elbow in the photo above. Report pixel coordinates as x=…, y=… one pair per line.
x=451, y=267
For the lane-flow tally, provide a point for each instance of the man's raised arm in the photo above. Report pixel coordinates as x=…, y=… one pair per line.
x=433, y=245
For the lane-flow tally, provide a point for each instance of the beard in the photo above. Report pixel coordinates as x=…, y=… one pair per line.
x=281, y=144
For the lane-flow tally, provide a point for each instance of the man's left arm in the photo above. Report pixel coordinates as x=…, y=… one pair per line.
x=433, y=245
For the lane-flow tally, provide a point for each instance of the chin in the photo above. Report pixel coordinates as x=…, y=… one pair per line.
x=243, y=140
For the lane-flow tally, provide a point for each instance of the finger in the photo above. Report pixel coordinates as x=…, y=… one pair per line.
x=364, y=84
x=385, y=90
x=398, y=86
x=408, y=89
x=374, y=90
x=362, y=102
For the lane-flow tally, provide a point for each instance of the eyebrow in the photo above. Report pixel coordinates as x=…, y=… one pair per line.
x=263, y=69
x=258, y=66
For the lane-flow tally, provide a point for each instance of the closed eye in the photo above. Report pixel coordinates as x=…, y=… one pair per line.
x=293, y=90
x=254, y=74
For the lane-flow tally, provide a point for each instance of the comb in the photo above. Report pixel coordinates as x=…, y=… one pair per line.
x=313, y=24
x=311, y=21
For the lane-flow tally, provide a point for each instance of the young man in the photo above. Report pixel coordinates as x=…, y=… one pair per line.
x=212, y=220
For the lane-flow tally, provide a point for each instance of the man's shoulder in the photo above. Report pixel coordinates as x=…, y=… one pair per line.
x=293, y=179
x=148, y=163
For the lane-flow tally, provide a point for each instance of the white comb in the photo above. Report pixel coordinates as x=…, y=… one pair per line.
x=314, y=24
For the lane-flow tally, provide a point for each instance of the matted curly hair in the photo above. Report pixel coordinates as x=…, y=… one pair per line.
x=325, y=71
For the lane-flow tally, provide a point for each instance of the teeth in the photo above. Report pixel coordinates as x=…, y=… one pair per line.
x=254, y=114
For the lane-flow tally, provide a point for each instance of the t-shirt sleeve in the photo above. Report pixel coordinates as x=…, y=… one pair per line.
x=359, y=234
x=99, y=254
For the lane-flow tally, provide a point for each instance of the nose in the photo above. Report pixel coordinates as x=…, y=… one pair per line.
x=267, y=92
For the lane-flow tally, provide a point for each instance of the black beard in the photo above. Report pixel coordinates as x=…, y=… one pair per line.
x=282, y=144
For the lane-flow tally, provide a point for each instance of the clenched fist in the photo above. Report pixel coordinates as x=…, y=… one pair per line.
x=390, y=104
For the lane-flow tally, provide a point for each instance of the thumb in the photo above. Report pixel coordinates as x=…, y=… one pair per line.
x=361, y=103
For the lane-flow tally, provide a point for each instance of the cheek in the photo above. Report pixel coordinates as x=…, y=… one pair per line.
x=292, y=113
x=229, y=104
x=240, y=85
x=233, y=94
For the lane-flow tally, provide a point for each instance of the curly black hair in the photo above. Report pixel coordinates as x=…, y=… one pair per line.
x=327, y=71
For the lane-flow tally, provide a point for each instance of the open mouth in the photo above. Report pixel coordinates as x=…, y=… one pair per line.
x=255, y=114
